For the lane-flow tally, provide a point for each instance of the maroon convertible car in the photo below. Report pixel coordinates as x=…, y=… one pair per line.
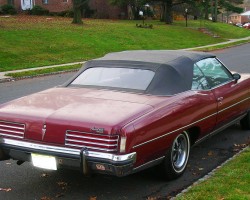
x=126, y=112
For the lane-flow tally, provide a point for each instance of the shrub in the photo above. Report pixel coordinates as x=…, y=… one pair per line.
x=8, y=9
x=38, y=10
x=66, y=13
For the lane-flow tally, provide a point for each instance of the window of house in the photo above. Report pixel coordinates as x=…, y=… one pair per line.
x=65, y=1
x=10, y=2
x=45, y=1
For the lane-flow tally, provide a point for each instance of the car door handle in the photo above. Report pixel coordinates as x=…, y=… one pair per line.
x=220, y=99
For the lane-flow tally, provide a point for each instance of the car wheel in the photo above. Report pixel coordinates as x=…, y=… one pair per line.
x=245, y=122
x=177, y=157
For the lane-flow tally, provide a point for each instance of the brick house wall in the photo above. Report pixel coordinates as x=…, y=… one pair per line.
x=51, y=5
x=101, y=7
x=105, y=10
x=55, y=5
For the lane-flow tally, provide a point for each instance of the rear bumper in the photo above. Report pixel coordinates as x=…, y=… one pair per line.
x=86, y=161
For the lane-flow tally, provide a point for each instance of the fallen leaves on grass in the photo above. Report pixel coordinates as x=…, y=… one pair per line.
x=5, y=189
x=238, y=147
x=93, y=198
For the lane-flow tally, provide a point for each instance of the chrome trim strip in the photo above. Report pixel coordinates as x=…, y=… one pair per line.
x=149, y=164
x=10, y=131
x=42, y=147
x=173, y=131
x=94, y=143
x=210, y=89
x=233, y=105
x=6, y=126
x=91, y=138
x=222, y=84
x=14, y=136
x=111, y=157
x=220, y=128
x=138, y=145
x=69, y=151
x=7, y=122
x=90, y=147
x=94, y=134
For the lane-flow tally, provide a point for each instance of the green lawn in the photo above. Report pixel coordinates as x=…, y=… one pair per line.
x=31, y=41
x=224, y=30
x=229, y=182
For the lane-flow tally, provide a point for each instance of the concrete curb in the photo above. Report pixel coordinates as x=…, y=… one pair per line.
x=221, y=43
x=204, y=178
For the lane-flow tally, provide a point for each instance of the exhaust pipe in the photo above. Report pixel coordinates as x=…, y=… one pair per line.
x=19, y=162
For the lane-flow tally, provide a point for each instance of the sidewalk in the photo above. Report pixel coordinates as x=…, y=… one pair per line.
x=4, y=78
x=221, y=43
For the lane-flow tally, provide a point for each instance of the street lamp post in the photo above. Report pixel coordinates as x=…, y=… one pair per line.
x=186, y=15
x=141, y=14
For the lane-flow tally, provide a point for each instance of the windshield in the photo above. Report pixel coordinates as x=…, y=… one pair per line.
x=136, y=79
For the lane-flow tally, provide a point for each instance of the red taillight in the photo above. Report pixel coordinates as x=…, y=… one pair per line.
x=98, y=142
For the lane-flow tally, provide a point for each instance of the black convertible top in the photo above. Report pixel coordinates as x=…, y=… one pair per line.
x=173, y=68
x=155, y=56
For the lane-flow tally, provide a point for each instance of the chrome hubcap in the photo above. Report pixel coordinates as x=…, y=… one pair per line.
x=179, y=152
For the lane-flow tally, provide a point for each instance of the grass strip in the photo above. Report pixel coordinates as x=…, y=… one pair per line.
x=46, y=71
x=229, y=182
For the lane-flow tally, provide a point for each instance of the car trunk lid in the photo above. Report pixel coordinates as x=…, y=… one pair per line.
x=67, y=115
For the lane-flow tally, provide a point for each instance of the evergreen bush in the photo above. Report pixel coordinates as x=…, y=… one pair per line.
x=8, y=9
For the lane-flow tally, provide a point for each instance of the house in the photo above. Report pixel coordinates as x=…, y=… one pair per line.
x=240, y=18
x=101, y=8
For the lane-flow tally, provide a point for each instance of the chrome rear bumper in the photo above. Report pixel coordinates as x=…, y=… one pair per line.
x=86, y=161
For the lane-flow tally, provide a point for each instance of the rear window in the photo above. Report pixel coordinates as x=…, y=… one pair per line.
x=125, y=78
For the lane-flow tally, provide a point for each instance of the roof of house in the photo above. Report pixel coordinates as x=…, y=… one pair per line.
x=247, y=13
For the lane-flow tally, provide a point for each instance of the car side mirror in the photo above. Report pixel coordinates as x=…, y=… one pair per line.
x=236, y=77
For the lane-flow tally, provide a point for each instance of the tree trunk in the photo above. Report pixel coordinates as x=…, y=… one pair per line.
x=163, y=13
x=169, y=11
x=215, y=10
x=77, y=19
x=130, y=12
x=206, y=9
